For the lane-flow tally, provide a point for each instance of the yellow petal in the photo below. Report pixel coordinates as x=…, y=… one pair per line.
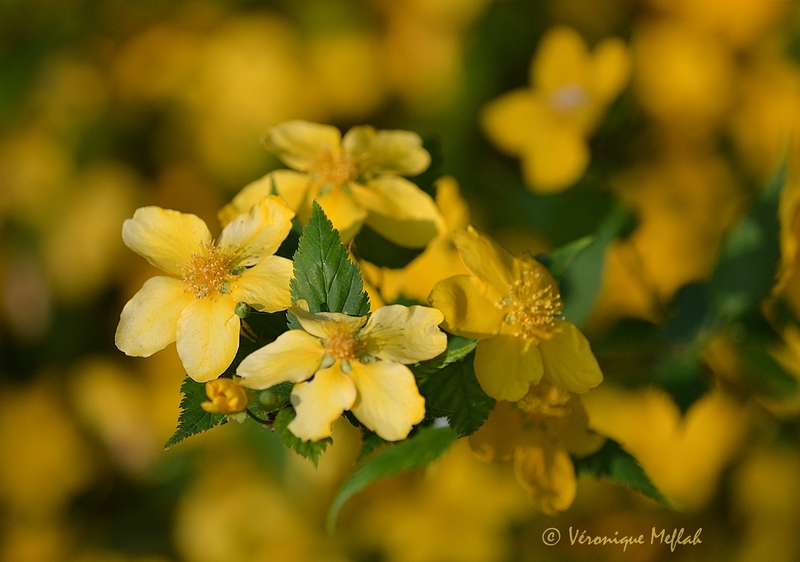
x=207, y=338
x=556, y=160
x=388, y=402
x=512, y=119
x=468, y=305
x=259, y=233
x=485, y=259
x=165, y=238
x=344, y=211
x=325, y=324
x=568, y=359
x=562, y=58
x=548, y=474
x=404, y=334
x=387, y=152
x=497, y=438
x=506, y=366
x=294, y=356
x=290, y=185
x=148, y=321
x=298, y=143
x=450, y=203
x=320, y=402
x=265, y=286
x=399, y=211
x=611, y=69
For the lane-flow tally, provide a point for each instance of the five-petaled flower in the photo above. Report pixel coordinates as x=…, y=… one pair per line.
x=197, y=306
x=340, y=362
x=513, y=308
x=356, y=180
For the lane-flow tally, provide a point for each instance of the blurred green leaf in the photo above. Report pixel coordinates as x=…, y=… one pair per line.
x=424, y=447
x=374, y=248
x=620, y=466
x=370, y=441
x=559, y=259
x=308, y=449
x=324, y=276
x=193, y=419
x=455, y=393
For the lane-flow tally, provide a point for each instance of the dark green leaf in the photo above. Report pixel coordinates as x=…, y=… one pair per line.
x=455, y=393
x=370, y=441
x=374, y=248
x=559, y=259
x=193, y=419
x=457, y=349
x=426, y=446
x=620, y=466
x=308, y=449
x=324, y=276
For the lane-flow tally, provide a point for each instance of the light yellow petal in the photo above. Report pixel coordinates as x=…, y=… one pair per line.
x=388, y=402
x=497, y=438
x=298, y=143
x=207, y=338
x=320, y=402
x=290, y=185
x=259, y=233
x=611, y=69
x=485, y=259
x=400, y=211
x=345, y=212
x=265, y=286
x=452, y=206
x=324, y=324
x=165, y=238
x=294, y=356
x=512, y=119
x=548, y=474
x=506, y=366
x=386, y=152
x=148, y=321
x=555, y=161
x=569, y=361
x=561, y=59
x=468, y=305
x=404, y=334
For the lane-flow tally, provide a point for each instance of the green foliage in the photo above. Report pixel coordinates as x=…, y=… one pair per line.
x=559, y=259
x=617, y=464
x=424, y=447
x=370, y=441
x=193, y=419
x=324, y=276
x=457, y=349
x=374, y=248
x=308, y=449
x=454, y=393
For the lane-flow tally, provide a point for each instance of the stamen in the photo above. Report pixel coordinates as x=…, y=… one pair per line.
x=342, y=344
x=208, y=273
x=532, y=305
x=335, y=169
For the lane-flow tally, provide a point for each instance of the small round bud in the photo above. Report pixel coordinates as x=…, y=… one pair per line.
x=242, y=309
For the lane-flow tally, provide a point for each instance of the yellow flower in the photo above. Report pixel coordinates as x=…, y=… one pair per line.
x=512, y=307
x=226, y=397
x=547, y=124
x=353, y=363
x=539, y=433
x=196, y=309
x=355, y=179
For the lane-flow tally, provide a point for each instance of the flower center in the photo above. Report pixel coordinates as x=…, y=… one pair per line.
x=342, y=344
x=546, y=399
x=335, y=169
x=569, y=97
x=209, y=272
x=532, y=306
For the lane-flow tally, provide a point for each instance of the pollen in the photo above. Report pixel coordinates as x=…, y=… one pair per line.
x=208, y=273
x=546, y=400
x=342, y=344
x=532, y=306
x=335, y=168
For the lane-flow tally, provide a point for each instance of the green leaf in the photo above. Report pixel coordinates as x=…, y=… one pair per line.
x=324, y=276
x=308, y=449
x=426, y=446
x=370, y=441
x=559, y=259
x=620, y=466
x=193, y=419
x=457, y=349
x=374, y=248
x=454, y=392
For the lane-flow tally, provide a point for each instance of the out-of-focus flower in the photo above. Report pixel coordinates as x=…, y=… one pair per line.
x=512, y=307
x=539, y=432
x=355, y=179
x=198, y=309
x=547, y=124
x=225, y=396
x=440, y=259
x=357, y=364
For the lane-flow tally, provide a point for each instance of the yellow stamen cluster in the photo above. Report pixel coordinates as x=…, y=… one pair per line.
x=208, y=272
x=342, y=344
x=334, y=168
x=545, y=400
x=532, y=305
